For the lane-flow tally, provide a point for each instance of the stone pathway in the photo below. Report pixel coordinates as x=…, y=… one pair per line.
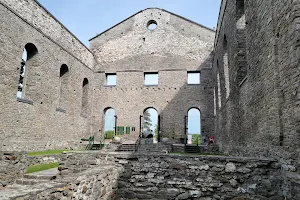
x=17, y=190
x=33, y=182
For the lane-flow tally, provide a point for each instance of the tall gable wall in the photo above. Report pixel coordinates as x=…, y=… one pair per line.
x=174, y=37
x=175, y=47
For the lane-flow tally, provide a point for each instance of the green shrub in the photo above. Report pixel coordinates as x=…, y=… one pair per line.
x=109, y=134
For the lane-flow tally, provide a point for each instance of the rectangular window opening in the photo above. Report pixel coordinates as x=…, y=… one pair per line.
x=193, y=78
x=111, y=79
x=151, y=78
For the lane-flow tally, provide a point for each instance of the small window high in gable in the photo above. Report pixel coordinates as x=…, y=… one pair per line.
x=151, y=78
x=193, y=77
x=111, y=79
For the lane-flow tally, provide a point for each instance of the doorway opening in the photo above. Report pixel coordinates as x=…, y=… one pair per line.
x=109, y=123
x=194, y=126
x=150, y=124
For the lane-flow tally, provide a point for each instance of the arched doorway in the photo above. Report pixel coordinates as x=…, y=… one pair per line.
x=150, y=124
x=109, y=122
x=194, y=126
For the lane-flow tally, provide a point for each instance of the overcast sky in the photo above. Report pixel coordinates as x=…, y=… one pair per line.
x=86, y=18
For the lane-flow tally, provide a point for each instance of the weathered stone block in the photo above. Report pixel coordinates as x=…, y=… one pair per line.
x=185, y=195
x=230, y=167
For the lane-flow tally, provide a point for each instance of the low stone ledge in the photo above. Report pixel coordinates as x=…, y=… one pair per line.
x=97, y=183
x=210, y=157
x=197, y=176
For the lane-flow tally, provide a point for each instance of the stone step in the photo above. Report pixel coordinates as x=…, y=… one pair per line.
x=126, y=148
x=144, y=148
x=97, y=146
x=154, y=148
x=39, y=177
x=191, y=149
x=122, y=148
x=25, y=181
x=74, y=169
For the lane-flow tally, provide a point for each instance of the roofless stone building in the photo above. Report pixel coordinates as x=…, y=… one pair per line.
x=55, y=90
x=65, y=89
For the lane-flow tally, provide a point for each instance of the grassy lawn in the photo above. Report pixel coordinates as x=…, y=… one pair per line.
x=201, y=154
x=46, y=152
x=41, y=167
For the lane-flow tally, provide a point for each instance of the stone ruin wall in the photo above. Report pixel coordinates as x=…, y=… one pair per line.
x=261, y=115
x=33, y=122
x=83, y=176
x=143, y=176
x=176, y=46
x=205, y=177
x=37, y=120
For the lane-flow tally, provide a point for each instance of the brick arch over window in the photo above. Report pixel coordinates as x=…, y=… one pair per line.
x=64, y=76
x=226, y=66
x=29, y=53
x=85, y=97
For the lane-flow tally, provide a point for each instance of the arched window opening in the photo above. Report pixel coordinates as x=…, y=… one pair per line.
x=226, y=66
x=109, y=122
x=240, y=14
x=85, y=97
x=63, y=70
x=29, y=52
x=150, y=124
x=215, y=104
x=241, y=41
x=194, y=126
x=64, y=83
x=219, y=91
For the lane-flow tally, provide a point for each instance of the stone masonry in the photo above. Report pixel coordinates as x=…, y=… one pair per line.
x=101, y=175
x=248, y=96
x=175, y=47
x=51, y=113
x=257, y=96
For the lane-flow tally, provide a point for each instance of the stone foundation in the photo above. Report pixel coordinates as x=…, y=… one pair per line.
x=96, y=175
x=200, y=177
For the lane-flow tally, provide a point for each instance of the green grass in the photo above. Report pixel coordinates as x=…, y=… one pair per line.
x=41, y=167
x=201, y=154
x=47, y=152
